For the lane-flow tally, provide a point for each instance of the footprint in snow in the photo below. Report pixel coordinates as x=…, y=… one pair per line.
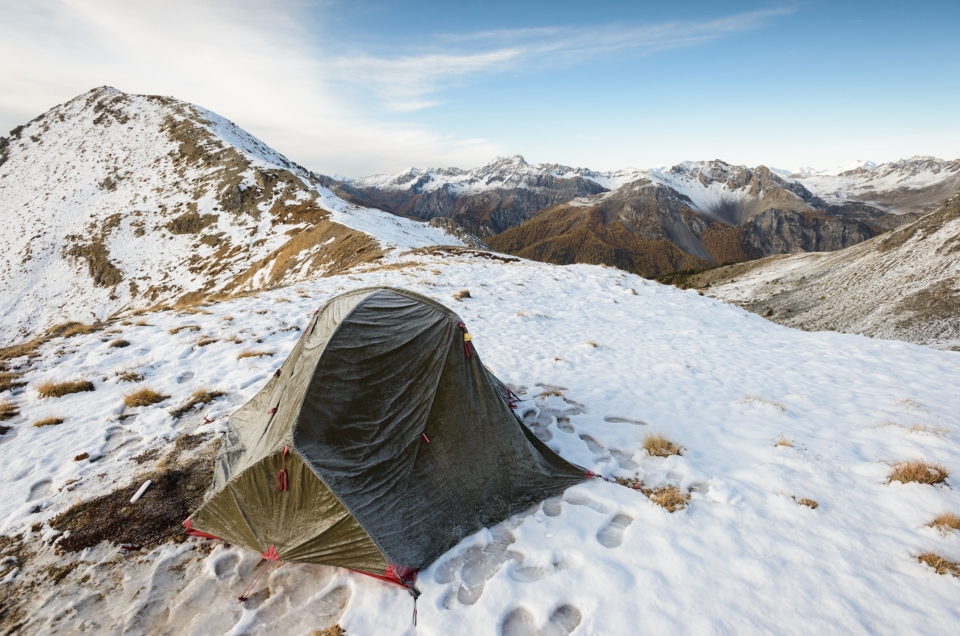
x=552, y=507
x=611, y=535
x=520, y=622
x=39, y=490
x=615, y=419
x=532, y=572
x=225, y=564
x=117, y=438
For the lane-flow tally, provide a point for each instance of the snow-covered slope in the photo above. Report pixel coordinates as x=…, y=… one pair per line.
x=918, y=184
x=600, y=359
x=114, y=201
x=903, y=285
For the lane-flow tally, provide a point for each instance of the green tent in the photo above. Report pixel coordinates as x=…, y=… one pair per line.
x=380, y=443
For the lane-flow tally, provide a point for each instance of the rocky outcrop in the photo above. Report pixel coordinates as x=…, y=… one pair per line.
x=787, y=232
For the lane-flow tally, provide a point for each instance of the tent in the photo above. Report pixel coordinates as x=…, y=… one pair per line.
x=380, y=443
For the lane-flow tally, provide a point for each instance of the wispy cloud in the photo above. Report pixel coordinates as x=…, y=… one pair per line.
x=406, y=81
x=260, y=66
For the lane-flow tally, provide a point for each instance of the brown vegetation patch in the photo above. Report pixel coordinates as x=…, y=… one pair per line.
x=8, y=381
x=668, y=497
x=177, y=490
x=144, y=397
x=658, y=445
x=460, y=295
x=809, y=503
x=8, y=410
x=336, y=630
x=103, y=272
x=49, y=421
x=120, y=343
x=59, y=389
x=14, y=554
x=917, y=470
x=783, y=441
x=198, y=398
x=253, y=354
x=203, y=342
x=946, y=522
x=175, y=330
x=130, y=376
x=69, y=329
x=940, y=564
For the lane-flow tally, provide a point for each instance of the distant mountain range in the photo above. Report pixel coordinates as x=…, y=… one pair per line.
x=692, y=215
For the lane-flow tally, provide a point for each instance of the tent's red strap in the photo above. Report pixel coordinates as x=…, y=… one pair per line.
x=188, y=524
x=396, y=574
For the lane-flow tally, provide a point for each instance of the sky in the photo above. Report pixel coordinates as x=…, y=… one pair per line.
x=361, y=87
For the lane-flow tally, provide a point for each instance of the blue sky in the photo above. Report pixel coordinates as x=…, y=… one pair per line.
x=361, y=87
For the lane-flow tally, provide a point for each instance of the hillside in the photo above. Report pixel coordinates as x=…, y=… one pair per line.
x=903, y=285
x=792, y=525
x=115, y=202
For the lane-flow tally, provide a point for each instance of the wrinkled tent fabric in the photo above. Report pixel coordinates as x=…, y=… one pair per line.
x=396, y=444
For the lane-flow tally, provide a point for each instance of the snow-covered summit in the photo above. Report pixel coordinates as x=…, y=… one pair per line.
x=114, y=201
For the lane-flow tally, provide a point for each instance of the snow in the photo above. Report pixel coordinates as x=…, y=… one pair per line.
x=600, y=358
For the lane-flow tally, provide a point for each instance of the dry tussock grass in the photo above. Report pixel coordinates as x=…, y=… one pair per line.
x=203, y=342
x=552, y=392
x=69, y=329
x=8, y=410
x=119, y=343
x=175, y=330
x=8, y=381
x=809, y=503
x=130, y=376
x=49, y=421
x=917, y=470
x=659, y=445
x=939, y=431
x=281, y=300
x=253, y=354
x=668, y=497
x=783, y=441
x=592, y=344
x=142, y=323
x=59, y=389
x=199, y=397
x=460, y=295
x=144, y=397
x=336, y=630
x=946, y=522
x=940, y=564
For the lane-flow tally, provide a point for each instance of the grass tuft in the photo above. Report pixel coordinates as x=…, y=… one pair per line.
x=199, y=397
x=940, y=564
x=68, y=329
x=809, y=503
x=460, y=295
x=336, y=630
x=8, y=381
x=59, y=389
x=175, y=330
x=783, y=441
x=668, y=497
x=946, y=522
x=130, y=376
x=203, y=342
x=253, y=354
x=49, y=421
x=658, y=445
x=119, y=343
x=8, y=410
x=917, y=470
x=144, y=397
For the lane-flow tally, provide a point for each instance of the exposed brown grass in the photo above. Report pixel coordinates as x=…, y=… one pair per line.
x=281, y=300
x=460, y=295
x=917, y=470
x=592, y=344
x=8, y=410
x=668, y=497
x=946, y=522
x=8, y=381
x=336, y=630
x=119, y=343
x=175, y=330
x=49, y=421
x=553, y=392
x=261, y=311
x=658, y=445
x=940, y=564
x=199, y=397
x=783, y=441
x=253, y=354
x=19, y=350
x=130, y=376
x=203, y=342
x=144, y=397
x=142, y=323
x=809, y=503
x=59, y=389
x=69, y=329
